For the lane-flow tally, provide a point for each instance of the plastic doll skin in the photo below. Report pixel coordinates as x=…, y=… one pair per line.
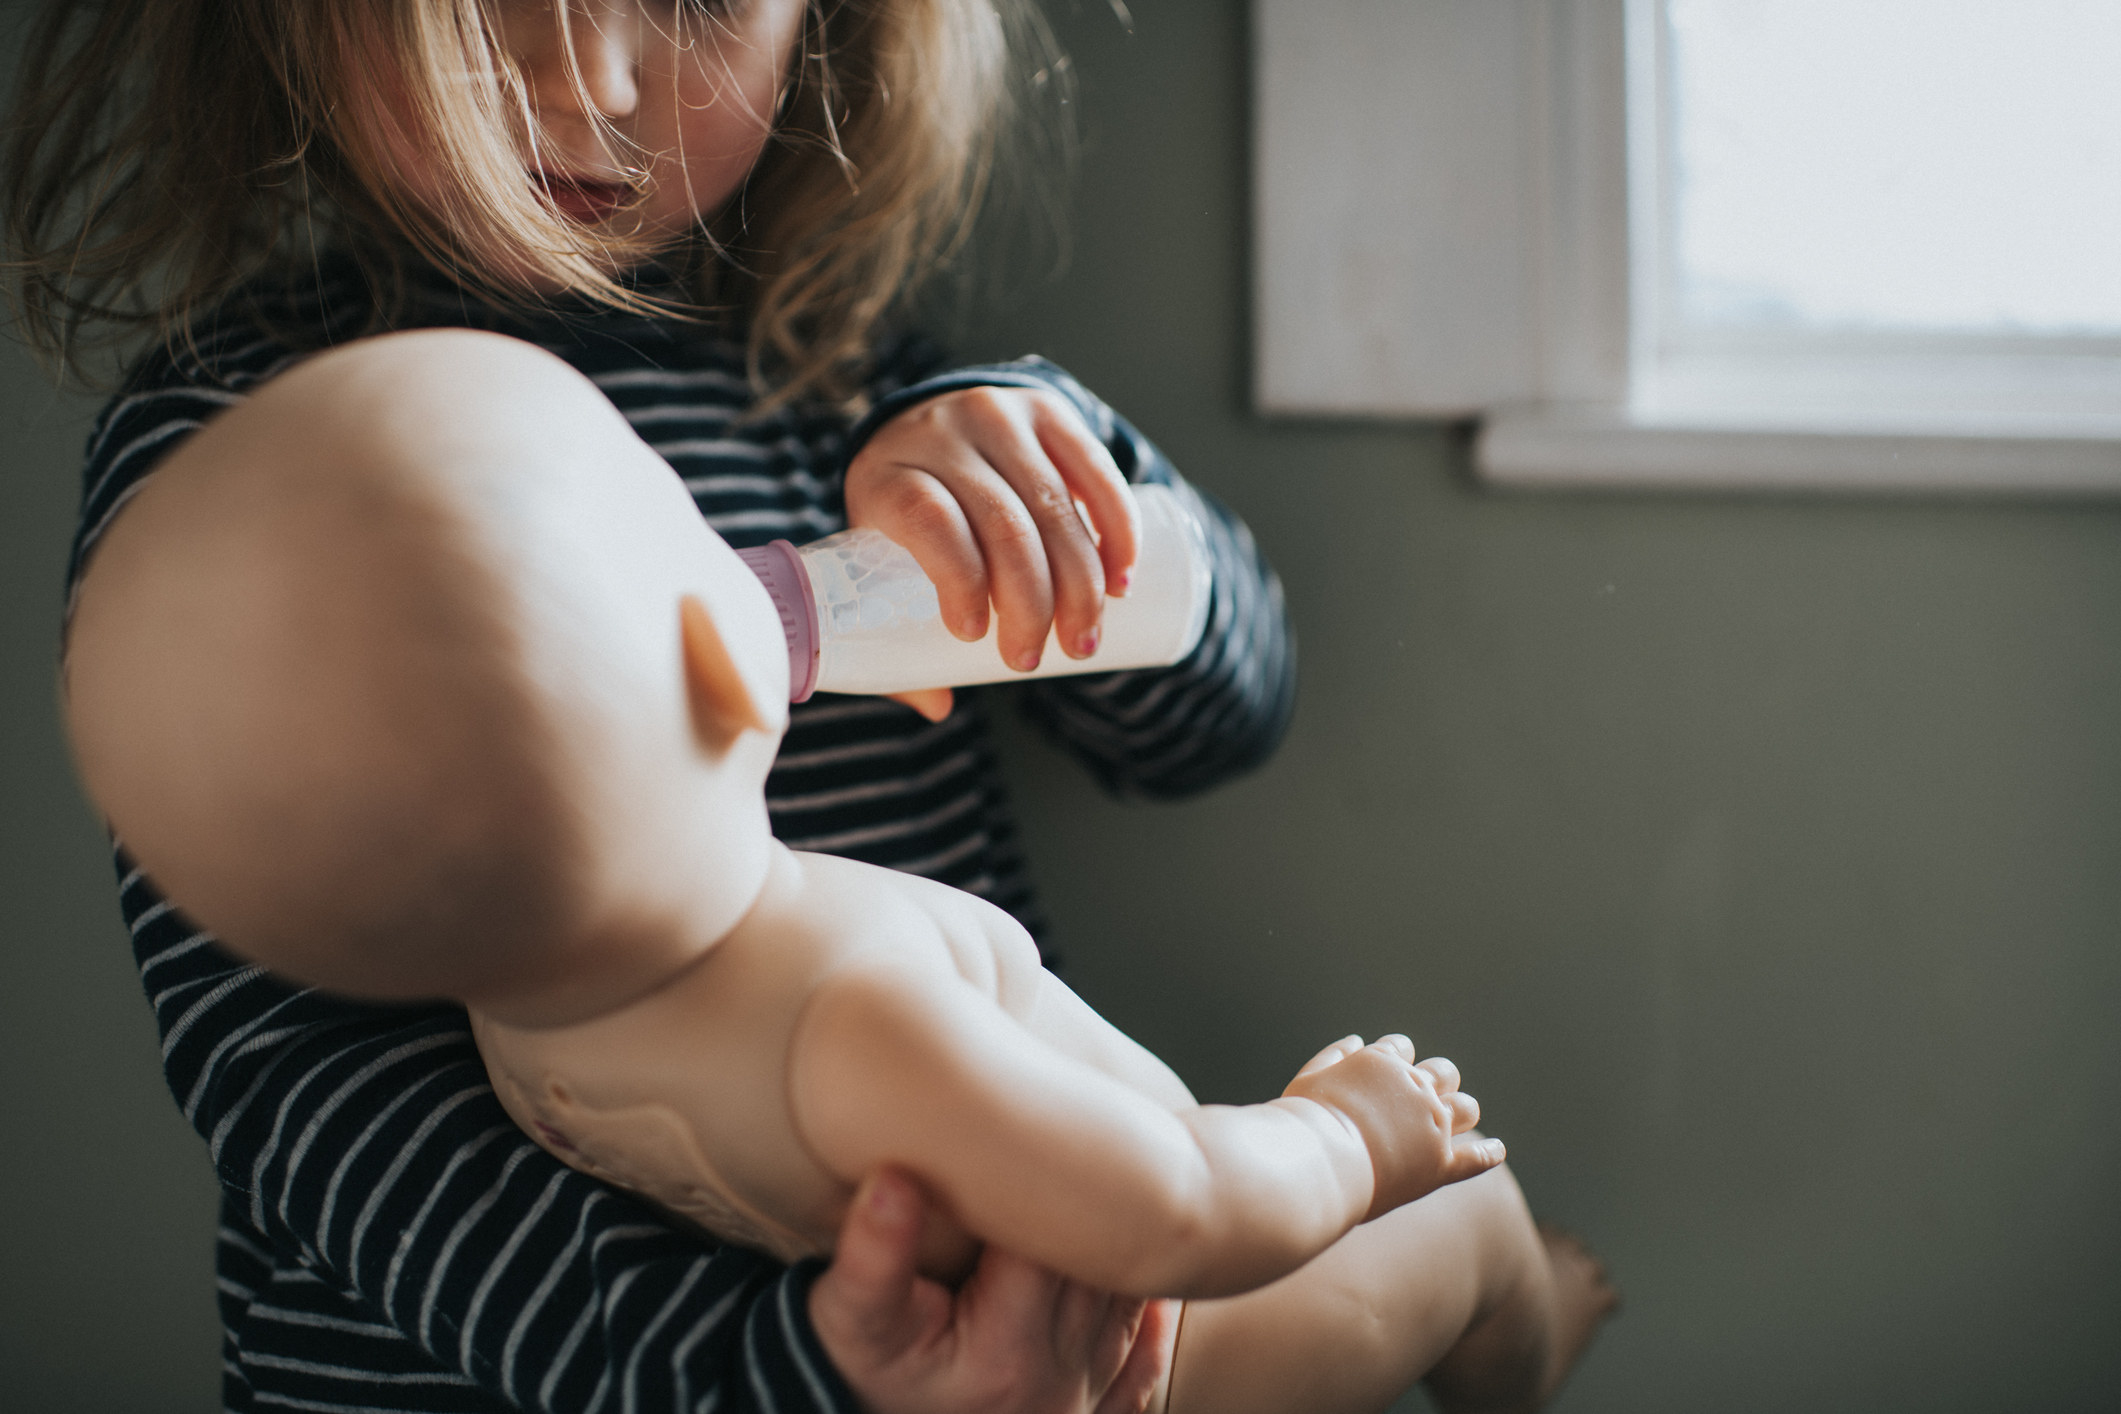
x=458, y=696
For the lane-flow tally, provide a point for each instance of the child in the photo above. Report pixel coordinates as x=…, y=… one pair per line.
x=265, y=180
x=494, y=723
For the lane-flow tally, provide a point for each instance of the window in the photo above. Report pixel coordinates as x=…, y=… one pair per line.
x=1840, y=244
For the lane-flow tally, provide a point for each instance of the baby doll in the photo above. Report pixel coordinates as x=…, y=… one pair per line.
x=484, y=712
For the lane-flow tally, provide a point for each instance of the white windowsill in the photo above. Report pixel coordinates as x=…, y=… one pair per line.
x=1589, y=447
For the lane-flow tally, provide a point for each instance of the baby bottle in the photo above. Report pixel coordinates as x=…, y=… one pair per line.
x=861, y=617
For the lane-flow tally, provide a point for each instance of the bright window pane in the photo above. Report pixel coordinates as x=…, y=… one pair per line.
x=1898, y=164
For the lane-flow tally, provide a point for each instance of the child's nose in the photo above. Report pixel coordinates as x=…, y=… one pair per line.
x=606, y=46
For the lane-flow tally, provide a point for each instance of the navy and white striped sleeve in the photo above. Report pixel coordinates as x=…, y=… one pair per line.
x=1161, y=732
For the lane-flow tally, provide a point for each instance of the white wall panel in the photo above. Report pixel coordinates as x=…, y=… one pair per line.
x=1398, y=180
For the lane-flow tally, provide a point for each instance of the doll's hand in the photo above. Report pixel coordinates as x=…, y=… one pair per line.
x=1014, y=1339
x=982, y=486
x=1414, y=1119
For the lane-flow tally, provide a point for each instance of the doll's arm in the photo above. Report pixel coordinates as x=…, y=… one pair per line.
x=1067, y=1021
x=1056, y=1159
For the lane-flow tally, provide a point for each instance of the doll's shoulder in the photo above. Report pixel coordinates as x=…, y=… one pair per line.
x=902, y=920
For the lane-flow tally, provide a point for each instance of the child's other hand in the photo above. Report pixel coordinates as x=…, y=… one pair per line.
x=1413, y=1117
x=1013, y=1339
x=982, y=486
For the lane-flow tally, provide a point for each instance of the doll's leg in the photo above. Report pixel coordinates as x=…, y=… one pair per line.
x=1459, y=1287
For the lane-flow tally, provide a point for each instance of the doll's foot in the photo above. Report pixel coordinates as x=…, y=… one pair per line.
x=1515, y=1360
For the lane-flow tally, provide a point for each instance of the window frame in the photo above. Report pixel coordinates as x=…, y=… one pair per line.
x=1519, y=188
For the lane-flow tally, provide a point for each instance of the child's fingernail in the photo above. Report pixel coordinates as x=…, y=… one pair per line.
x=1086, y=645
x=1027, y=660
x=1121, y=582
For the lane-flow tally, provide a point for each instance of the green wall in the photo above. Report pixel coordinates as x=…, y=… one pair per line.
x=106, y=1200
x=1759, y=861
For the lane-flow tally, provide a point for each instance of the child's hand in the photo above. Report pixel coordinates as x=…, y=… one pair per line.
x=1013, y=1339
x=982, y=486
x=1414, y=1118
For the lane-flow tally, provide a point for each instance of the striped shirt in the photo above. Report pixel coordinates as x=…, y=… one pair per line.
x=388, y=1239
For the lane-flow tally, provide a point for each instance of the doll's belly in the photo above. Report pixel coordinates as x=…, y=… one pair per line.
x=651, y=1149
x=616, y=1129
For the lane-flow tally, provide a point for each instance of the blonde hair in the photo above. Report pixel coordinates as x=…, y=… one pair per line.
x=164, y=153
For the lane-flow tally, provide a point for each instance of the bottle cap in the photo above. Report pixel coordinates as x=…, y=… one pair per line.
x=781, y=570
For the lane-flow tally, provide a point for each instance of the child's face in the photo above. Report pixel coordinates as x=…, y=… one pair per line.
x=687, y=86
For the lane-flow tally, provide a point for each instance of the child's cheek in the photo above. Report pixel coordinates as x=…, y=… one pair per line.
x=725, y=95
x=399, y=160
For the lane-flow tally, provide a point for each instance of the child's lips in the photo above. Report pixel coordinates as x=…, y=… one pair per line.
x=581, y=199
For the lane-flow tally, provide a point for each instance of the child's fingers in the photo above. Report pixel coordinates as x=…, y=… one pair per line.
x=972, y=533
x=1155, y=1338
x=1397, y=1044
x=933, y=703
x=1093, y=478
x=1072, y=572
x=989, y=488
x=1038, y=555
x=1020, y=576
x=1018, y=1301
x=922, y=514
x=1083, y=1323
x=872, y=1294
x=1465, y=1110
